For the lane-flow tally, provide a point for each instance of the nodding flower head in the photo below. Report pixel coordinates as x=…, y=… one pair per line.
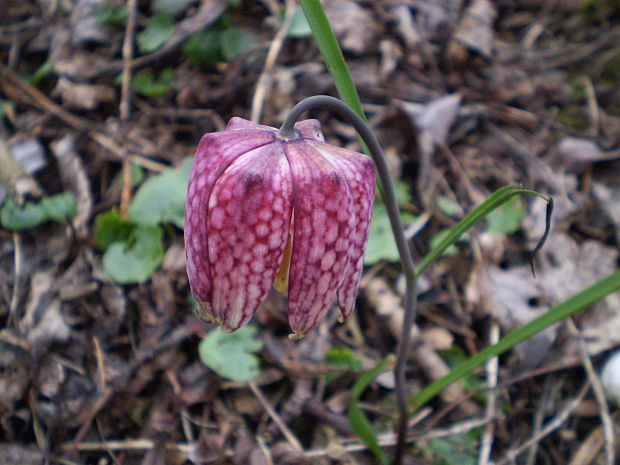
x=263, y=209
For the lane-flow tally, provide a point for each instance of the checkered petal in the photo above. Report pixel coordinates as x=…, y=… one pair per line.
x=324, y=223
x=214, y=154
x=359, y=171
x=248, y=223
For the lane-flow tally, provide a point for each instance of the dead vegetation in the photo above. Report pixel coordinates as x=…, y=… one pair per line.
x=466, y=96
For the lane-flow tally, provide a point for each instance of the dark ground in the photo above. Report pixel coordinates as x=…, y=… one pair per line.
x=465, y=96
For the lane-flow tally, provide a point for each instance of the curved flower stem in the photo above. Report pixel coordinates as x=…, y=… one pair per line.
x=391, y=205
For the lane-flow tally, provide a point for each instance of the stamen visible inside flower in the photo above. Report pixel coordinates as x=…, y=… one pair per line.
x=281, y=281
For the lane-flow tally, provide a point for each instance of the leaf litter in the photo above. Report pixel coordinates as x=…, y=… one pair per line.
x=467, y=96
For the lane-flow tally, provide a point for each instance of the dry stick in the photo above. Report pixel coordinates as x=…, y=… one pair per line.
x=125, y=105
x=391, y=206
x=17, y=277
x=264, y=81
x=599, y=395
x=21, y=91
x=288, y=434
x=491, y=368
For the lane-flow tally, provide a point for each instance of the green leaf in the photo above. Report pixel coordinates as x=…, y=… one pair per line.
x=137, y=176
x=135, y=259
x=161, y=199
x=157, y=31
x=343, y=358
x=147, y=85
x=231, y=355
x=110, y=227
x=300, y=29
x=358, y=420
x=6, y=107
x=381, y=244
x=457, y=448
x=59, y=207
x=235, y=41
x=44, y=70
x=402, y=191
x=204, y=48
x=507, y=218
x=17, y=218
x=114, y=15
x=447, y=206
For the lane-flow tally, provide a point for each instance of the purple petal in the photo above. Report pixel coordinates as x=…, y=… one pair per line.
x=248, y=222
x=235, y=123
x=359, y=170
x=324, y=222
x=214, y=154
x=310, y=129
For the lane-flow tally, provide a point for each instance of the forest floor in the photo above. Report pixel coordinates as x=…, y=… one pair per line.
x=101, y=103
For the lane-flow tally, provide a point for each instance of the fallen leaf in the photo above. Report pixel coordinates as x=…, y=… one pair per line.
x=575, y=152
x=83, y=96
x=475, y=31
x=346, y=17
x=514, y=297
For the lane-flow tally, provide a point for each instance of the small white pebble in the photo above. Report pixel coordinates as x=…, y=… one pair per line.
x=610, y=378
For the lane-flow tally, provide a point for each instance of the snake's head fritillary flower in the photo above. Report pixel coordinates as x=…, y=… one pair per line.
x=264, y=209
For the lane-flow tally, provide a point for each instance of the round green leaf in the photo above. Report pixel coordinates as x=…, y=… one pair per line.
x=110, y=228
x=300, y=29
x=59, y=207
x=231, y=355
x=381, y=243
x=134, y=260
x=161, y=199
x=235, y=41
x=155, y=34
x=507, y=218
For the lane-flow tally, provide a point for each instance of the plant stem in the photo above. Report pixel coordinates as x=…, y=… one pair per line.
x=391, y=205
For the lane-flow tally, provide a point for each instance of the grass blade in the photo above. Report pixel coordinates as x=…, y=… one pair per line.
x=497, y=199
x=358, y=420
x=569, y=307
x=332, y=54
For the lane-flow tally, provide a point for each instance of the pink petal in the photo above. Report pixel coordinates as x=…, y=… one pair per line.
x=359, y=170
x=310, y=129
x=214, y=153
x=248, y=221
x=324, y=223
x=235, y=123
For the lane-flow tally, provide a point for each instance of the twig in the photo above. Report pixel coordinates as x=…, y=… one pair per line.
x=21, y=91
x=554, y=424
x=17, y=278
x=491, y=367
x=125, y=105
x=264, y=81
x=593, y=108
x=599, y=395
x=284, y=429
x=551, y=387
